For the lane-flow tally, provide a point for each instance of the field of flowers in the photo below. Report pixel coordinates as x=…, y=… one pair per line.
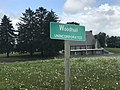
x=98, y=73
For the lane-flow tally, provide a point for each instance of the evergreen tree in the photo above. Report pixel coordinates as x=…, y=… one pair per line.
x=34, y=32
x=7, y=36
x=53, y=46
x=45, y=45
x=27, y=32
x=41, y=14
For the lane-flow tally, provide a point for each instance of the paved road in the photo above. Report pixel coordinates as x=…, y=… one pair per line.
x=108, y=55
x=111, y=55
x=2, y=61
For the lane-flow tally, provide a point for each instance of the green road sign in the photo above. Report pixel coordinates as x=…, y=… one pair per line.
x=67, y=32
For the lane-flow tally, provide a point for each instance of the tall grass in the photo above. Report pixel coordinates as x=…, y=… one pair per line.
x=98, y=73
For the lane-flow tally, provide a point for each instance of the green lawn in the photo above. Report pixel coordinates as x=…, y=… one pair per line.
x=114, y=50
x=98, y=73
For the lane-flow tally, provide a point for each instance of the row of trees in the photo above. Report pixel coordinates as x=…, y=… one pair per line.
x=113, y=41
x=108, y=41
x=33, y=33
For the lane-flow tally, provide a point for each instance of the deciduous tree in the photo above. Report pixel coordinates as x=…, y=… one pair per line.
x=101, y=37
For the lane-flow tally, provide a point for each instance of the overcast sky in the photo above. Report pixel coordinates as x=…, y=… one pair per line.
x=96, y=15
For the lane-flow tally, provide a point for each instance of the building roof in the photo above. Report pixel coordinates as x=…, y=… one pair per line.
x=90, y=40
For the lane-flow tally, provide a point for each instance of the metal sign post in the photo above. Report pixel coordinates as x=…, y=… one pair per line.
x=67, y=65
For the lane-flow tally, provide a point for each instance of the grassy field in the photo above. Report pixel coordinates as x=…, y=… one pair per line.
x=114, y=50
x=98, y=73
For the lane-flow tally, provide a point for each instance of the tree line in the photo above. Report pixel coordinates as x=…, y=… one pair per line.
x=32, y=34
x=108, y=41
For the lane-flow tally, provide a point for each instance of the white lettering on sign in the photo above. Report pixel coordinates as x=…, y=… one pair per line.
x=62, y=28
x=67, y=36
